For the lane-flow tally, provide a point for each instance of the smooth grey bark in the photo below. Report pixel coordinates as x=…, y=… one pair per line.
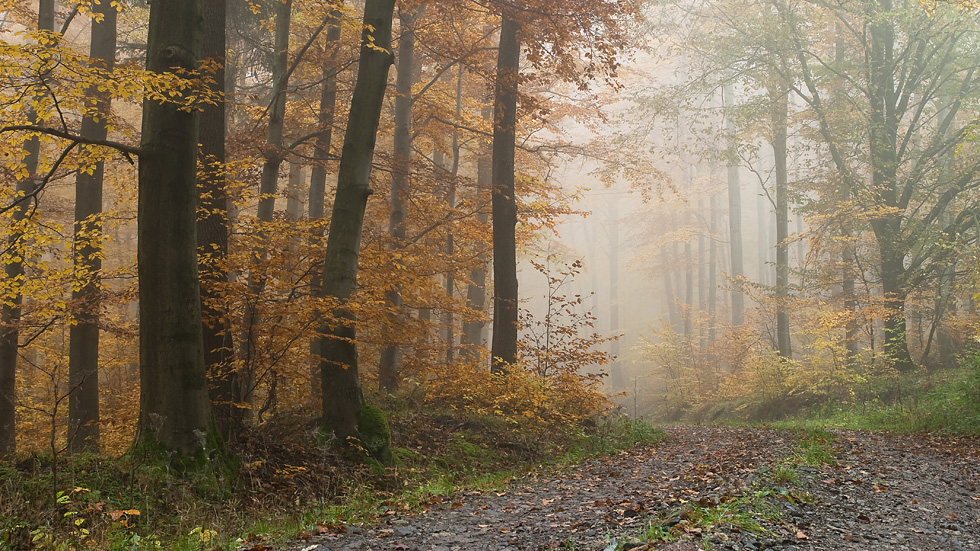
x=341, y=389
x=10, y=311
x=175, y=411
x=778, y=119
x=388, y=366
x=450, y=321
x=212, y=235
x=504, y=201
x=476, y=289
x=318, y=177
x=83, y=348
x=734, y=217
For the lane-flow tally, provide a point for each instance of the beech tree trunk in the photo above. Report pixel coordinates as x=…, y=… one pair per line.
x=615, y=367
x=318, y=178
x=504, y=202
x=268, y=186
x=779, y=106
x=476, y=290
x=400, y=182
x=341, y=387
x=212, y=237
x=10, y=310
x=734, y=218
x=83, y=349
x=175, y=411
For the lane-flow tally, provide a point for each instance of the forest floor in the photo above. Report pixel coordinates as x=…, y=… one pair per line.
x=710, y=487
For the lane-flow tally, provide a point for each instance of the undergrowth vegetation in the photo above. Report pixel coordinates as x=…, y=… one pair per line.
x=756, y=385
x=289, y=483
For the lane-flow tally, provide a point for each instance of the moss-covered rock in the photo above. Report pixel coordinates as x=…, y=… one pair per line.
x=375, y=434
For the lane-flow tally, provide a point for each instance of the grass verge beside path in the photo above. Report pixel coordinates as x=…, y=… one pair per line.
x=288, y=487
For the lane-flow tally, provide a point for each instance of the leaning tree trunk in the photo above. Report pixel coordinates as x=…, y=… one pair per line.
x=400, y=182
x=504, y=200
x=341, y=388
x=175, y=412
x=83, y=348
x=212, y=236
x=14, y=272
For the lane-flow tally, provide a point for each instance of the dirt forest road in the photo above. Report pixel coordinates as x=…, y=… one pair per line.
x=707, y=485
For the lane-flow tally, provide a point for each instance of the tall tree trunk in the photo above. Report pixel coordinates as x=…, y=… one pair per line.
x=175, y=411
x=883, y=134
x=615, y=368
x=712, y=268
x=318, y=178
x=734, y=217
x=669, y=292
x=400, y=182
x=702, y=281
x=476, y=290
x=851, y=326
x=341, y=384
x=504, y=200
x=778, y=119
x=212, y=236
x=83, y=350
x=450, y=243
x=14, y=272
x=268, y=186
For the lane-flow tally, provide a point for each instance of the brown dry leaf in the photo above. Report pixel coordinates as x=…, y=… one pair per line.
x=801, y=536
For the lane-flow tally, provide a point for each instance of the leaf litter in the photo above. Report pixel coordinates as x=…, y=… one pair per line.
x=707, y=487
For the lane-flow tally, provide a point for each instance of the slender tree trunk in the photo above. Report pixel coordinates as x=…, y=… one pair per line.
x=734, y=218
x=388, y=365
x=268, y=186
x=504, y=200
x=712, y=268
x=476, y=290
x=83, y=353
x=779, y=129
x=450, y=243
x=671, y=295
x=341, y=384
x=10, y=312
x=14, y=271
x=702, y=280
x=851, y=326
x=318, y=180
x=174, y=407
x=615, y=368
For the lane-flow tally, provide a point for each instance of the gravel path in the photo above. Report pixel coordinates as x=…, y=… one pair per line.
x=884, y=493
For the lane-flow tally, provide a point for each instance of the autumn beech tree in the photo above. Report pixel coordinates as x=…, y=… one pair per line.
x=907, y=77
x=576, y=41
x=175, y=410
x=83, y=400
x=10, y=318
x=344, y=412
